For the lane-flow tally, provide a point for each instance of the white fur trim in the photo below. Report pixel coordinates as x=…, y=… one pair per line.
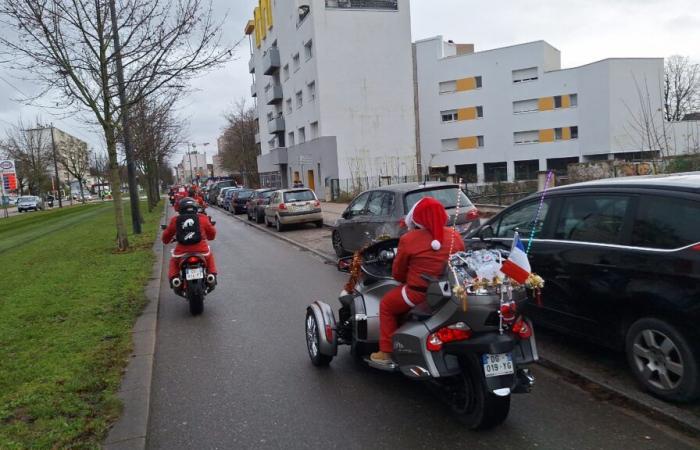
x=410, y=224
x=405, y=297
x=435, y=244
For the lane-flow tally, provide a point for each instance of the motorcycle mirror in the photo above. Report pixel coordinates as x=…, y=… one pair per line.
x=213, y=222
x=163, y=226
x=344, y=265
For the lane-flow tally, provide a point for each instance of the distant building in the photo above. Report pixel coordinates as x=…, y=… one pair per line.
x=192, y=167
x=333, y=81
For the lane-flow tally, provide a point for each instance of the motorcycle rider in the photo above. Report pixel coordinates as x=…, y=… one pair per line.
x=424, y=250
x=192, y=231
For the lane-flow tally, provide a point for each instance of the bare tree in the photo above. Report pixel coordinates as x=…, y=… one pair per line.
x=74, y=158
x=68, y=46
x=31, y=150
x=240, y=152
x=681, y=87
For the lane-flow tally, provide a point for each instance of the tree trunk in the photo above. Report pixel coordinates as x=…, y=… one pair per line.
x=82, y=196
x=115, y=184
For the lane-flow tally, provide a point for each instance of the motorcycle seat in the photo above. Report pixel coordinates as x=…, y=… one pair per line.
x=420, y=312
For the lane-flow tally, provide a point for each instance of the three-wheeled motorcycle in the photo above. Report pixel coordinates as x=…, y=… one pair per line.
x=468, y=338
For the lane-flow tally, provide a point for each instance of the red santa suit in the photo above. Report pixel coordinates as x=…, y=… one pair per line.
x=422, y=251
x=208, y=234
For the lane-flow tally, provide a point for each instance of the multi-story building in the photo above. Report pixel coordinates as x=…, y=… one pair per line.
x=507, y=113
x=333, y=81
x=192, y=167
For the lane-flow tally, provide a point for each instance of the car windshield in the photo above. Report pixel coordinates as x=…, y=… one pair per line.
x=299, y=196
x=445, y=195
x=245, y=194
x=267, y=194
x=27, y=199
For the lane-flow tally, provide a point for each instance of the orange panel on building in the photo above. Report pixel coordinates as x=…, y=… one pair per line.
x=466, y=143
x=547, y=135
x=466, y=84
x=466, y=114
x=545, y=103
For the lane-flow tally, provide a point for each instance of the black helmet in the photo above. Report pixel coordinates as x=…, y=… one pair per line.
x=187, y=206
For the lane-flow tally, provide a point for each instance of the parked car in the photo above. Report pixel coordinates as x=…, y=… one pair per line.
x=228, y=195
x=621, y=264
x=377, y=213
x=222, y=195
x=240, y=200
x=215, y=189
x=293, y=206
x=255, y=207
x=30, y=202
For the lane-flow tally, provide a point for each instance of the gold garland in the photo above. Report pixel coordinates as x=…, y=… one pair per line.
x=355, y=269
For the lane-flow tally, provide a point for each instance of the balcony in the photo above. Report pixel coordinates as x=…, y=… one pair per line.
x=271, y=61
x=253, y=91
x=273, y=94
x=276, y=125
x=251, y=64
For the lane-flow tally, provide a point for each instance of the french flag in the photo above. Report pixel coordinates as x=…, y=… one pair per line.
x=517, y=266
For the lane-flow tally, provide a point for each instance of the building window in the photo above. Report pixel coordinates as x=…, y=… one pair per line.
x=524, y=106
x=477, y=80
x=450, y=144
x=296, y=63
x=479, y=141
x=574, y=132
x=300, y=99
x=573, y=100
x=288, y=104
x=302, y=135
x=285, y=72
x=448, y=116
x=390, y=5
x=557, y=101
x=290, y=139
x=312, y=91
x=479, y=111
x=559, y=165
x=527, y=170
x=526, y=137
x=494, y=172
x=522, y=75
x=309, y=50
x=314, y=131
x=448, y=87
x=558, y=135
x=467, y=172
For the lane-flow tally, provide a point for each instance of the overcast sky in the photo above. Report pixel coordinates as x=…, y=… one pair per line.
x=583, y=30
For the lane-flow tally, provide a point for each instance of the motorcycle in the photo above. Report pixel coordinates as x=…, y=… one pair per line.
x=194, y=281
x=472, y=351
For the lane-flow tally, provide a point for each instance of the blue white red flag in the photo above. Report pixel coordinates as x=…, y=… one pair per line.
x=517, y=266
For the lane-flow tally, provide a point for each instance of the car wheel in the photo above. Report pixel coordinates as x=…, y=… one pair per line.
x=280, y=227
x=338, y=245
x=662, y=360
x=319, y=224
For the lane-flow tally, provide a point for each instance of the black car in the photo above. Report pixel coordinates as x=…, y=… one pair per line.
x=239, y=201
x=377, y=213
x=255, y=208
x=215, y=188
x=621, y=264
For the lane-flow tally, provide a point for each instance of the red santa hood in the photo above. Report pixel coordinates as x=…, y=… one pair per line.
x=429, y=214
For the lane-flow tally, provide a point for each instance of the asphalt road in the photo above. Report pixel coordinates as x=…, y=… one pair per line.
x=239, y=377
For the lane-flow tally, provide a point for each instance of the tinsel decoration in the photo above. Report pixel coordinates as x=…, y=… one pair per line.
x=355, y=269
x=536, y=283
x=459, y=291
x=533, y=228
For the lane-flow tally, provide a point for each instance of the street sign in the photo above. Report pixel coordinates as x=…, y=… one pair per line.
x=7, y=165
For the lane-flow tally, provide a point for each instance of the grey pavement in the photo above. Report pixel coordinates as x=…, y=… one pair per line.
x=239, y=377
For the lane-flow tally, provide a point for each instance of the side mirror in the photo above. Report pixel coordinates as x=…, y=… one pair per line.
x=344, y=264
x=486, y=232
x=163, y=226
x=346, y=215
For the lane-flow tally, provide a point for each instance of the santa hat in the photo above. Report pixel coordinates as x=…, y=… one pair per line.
x=428, y=213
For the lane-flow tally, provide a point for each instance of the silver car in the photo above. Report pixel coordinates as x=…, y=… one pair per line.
x=30, y=203
x=293, y=206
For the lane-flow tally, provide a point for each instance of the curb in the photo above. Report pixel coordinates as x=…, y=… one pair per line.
x=129, y=432
x=639, y=401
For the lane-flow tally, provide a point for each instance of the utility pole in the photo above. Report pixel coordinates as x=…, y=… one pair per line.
x=189, y=156
x=128, y=149
x=55, y=168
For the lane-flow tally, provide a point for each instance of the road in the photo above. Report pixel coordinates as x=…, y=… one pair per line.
x=239, y=376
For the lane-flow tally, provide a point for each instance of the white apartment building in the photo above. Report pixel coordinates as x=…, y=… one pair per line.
x=510, y=112
x=192, y=167
x=333, y=81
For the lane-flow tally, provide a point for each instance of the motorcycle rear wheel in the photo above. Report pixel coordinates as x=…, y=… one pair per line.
x=471, y=401
x=195, y=298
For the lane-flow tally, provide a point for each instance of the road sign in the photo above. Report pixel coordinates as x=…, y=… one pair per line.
x=7, y=165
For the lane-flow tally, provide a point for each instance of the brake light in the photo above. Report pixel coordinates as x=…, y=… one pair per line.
x=282, y=206
x=473, y=214
x=696, y=247
x=193, y=260
x=521, y=329
x=317, y=203
x=459, y=331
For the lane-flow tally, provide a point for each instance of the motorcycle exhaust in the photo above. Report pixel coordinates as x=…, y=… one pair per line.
x=211, y=279
x=177, y=282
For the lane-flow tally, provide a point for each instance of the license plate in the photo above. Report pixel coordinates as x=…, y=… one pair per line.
x=497, y=365
x=194, y=274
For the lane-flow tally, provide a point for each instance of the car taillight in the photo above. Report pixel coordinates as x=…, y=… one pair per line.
x=193, y=260
x=317, y=203
x=473, y=214
x=696, y=247
x=521, y=329
x=282, y=206
x=459, y=331
x=329, y=333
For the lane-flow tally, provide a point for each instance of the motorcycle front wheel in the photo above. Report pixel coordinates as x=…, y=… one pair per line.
x=471, y=401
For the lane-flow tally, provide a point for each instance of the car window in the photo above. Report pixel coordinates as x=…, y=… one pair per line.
x=381, y=203
x=268, y=194
x=522, y=218
x=358, y=205
x=245, y=194
x=592, y=218
x=663, y=222
x=299, y=196
x=445, y=195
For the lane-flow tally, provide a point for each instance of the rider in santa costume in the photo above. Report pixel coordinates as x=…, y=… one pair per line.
x=424, y=250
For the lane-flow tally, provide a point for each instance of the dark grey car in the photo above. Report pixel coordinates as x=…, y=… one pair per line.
x=377, y=213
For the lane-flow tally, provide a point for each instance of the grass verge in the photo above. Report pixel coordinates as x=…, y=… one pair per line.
x=67, y=306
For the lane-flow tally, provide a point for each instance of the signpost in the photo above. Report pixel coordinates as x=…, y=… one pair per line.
x=8, y=178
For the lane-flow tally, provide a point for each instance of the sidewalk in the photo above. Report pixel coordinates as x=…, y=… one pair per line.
x=332, y=212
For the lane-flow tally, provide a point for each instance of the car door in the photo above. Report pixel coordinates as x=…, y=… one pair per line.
x=377, y=221
x=271, y=208
x=350, y=234
x=590, y=234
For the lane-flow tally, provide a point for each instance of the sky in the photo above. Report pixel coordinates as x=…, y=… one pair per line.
x=583, y=30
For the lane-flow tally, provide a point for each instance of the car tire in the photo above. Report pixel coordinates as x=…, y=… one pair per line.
x=662, y=360
x=319, y=224
x=338, y=244
x=280, y=227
